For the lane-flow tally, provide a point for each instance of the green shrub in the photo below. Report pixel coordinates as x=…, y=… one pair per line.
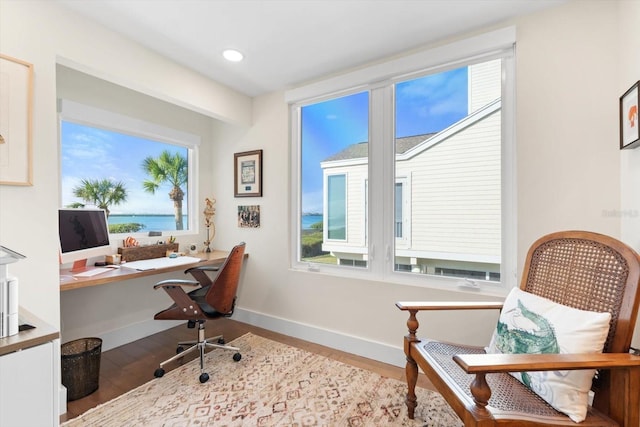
x=311, y=244
x=130, y=227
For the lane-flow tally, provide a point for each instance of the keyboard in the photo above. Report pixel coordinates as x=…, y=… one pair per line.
x=92, y=272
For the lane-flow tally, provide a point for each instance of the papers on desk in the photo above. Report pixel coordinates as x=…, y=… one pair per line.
x=157, y=263
x=92, y=272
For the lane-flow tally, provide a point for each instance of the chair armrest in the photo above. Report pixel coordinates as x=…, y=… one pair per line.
x=174, y=282
x=203, y=268
x=448, y=305
x=414, y=306
x=483, y=364
x=491, y=363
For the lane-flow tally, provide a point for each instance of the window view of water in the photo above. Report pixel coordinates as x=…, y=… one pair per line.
x=150, y=222
x=167, y=222
x=309, y=220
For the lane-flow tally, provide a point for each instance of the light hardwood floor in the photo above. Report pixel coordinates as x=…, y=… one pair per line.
x=129, y=366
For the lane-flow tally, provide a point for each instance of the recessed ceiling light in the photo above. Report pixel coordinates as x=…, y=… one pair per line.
x=232, y=55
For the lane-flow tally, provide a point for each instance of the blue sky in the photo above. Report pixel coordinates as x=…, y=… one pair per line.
x=424, y=105
x=92, y=153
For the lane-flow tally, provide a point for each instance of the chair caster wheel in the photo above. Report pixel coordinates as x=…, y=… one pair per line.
x=158, y=373
x=237, y=357
x=204, y=378
x=180, y=349
x=221, y=341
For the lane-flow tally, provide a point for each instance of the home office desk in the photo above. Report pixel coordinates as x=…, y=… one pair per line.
x=69, y=282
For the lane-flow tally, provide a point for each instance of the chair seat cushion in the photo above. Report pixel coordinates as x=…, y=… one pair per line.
x=533, y=325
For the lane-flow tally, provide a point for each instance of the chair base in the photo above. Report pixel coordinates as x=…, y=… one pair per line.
x=200, y=345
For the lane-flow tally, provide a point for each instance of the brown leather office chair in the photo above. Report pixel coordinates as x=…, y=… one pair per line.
x=213, y=299
x=583, y=270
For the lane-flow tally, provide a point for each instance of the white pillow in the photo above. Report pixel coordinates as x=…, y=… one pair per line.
x=531, y=324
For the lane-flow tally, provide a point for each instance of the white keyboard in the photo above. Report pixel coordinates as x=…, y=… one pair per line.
x=92, y=272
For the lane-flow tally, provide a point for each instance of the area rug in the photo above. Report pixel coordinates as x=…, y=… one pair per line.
x=273, y=385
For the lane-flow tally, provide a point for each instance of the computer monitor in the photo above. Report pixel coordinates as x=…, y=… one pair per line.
x=84, y=233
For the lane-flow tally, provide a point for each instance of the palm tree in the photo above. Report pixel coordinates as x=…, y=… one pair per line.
x=102, y=193
x=168, y=168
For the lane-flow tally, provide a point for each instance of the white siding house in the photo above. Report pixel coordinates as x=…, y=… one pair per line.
x=448, y=204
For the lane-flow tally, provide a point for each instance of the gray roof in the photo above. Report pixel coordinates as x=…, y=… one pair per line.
x=361, y=149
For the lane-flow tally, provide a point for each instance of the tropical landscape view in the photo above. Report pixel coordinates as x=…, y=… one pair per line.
x=141, y=184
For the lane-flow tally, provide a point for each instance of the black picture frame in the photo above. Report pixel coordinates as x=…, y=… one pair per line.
x=247, y=174
x=629, y=119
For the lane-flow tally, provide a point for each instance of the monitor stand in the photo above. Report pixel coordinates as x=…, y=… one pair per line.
x=79, y=265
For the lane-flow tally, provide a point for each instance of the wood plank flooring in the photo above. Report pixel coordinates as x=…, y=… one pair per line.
x=129, y=366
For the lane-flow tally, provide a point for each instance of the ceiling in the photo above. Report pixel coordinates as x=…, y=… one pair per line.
x=288, y=42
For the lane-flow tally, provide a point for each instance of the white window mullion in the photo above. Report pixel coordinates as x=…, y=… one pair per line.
x=382, y=182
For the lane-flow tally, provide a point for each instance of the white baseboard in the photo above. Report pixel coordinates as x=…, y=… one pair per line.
x=348, y=343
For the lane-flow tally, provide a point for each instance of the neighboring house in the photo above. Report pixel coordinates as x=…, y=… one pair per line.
x=448, y=201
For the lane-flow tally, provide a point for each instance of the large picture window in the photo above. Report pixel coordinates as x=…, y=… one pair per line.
x=140, y=173
x=424, y=193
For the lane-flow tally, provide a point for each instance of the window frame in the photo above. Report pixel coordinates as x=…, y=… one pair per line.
x=379, y=80
x=82, y=114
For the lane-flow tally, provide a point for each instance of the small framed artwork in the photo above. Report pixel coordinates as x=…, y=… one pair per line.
x=16, y=98
x=249, y=216
x=247, y=168
x=629, y=125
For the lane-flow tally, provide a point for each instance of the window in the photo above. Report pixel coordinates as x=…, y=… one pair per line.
x=448, y=139
x=402, y=212
x=334, y=133
x=425, y=193
x=140, y=173
x=336, y=207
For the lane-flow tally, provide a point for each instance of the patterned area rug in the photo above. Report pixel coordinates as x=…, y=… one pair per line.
x=273, y=385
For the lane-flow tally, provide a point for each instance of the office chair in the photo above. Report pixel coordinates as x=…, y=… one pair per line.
x=577, y=273
x=213, y=299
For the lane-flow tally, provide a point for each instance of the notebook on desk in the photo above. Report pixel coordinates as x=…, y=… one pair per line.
x=164, y=262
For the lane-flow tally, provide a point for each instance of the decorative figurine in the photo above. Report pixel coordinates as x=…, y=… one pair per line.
x=209, y=213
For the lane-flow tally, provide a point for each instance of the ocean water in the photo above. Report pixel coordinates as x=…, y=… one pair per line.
x=151, y=222
x=167, y=222
x=309, y=220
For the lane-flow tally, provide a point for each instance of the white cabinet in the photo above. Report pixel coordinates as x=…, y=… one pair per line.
x=29, y=378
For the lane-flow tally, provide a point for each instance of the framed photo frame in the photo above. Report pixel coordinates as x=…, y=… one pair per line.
x=629, y=120
x=16, y=106
x=247, y=171
x=249, y=216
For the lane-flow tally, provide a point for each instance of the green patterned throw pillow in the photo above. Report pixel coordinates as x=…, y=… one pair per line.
x=533, y=325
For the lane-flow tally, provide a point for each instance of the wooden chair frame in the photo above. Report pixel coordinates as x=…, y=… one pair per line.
x=469, y=391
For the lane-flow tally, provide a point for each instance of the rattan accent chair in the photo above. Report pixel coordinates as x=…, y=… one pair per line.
x=212, y=298
x=579, y=269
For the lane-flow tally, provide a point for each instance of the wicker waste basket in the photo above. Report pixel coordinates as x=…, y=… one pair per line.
x=81, y=366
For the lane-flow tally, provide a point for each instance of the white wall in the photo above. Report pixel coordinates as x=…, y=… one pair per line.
x=569, y=63
x=629, y=73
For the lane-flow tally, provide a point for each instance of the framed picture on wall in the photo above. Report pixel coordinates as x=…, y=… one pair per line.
x=629, y=125
x=247, y=168
x=249, y=216
x=16, y=98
